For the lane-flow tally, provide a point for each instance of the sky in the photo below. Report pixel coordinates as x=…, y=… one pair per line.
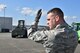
x=27, y=9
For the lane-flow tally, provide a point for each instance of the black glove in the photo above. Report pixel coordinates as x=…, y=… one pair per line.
x=35, y=25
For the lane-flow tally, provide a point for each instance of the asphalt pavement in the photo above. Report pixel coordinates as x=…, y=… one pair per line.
x=21, y=45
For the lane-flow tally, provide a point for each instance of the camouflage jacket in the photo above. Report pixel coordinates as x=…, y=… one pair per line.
x=61, y=39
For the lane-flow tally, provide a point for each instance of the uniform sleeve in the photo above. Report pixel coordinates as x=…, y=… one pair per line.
x=38, y=36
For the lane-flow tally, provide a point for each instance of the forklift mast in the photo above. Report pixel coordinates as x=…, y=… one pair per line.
x=21, y=23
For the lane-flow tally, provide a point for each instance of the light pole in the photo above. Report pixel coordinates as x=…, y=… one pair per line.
x=25, y=19
x=4, y=11
x=4, y=16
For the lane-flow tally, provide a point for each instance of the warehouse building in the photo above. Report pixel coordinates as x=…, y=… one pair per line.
x=5, y=24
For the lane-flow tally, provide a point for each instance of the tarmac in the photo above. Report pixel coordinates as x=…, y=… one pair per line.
x=21, y=45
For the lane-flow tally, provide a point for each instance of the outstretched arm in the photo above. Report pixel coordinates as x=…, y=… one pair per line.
x=34, y=26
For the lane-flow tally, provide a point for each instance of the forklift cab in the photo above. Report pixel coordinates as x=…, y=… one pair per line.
x=20, y=31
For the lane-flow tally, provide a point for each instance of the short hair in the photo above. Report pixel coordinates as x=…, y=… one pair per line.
x=56, y=11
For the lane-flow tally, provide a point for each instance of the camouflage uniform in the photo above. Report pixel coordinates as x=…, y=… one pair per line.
x=62, y=39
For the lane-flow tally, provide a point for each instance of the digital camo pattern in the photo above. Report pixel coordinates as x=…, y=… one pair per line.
x=62, y=39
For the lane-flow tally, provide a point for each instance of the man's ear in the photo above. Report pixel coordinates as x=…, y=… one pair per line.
x=57, y=18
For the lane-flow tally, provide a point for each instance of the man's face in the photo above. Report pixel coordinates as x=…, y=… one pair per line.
x=51, y=22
